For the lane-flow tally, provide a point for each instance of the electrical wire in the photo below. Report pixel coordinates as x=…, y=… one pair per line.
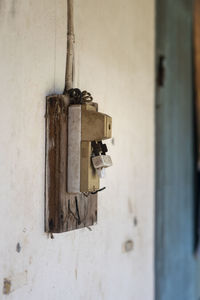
x=70, y=47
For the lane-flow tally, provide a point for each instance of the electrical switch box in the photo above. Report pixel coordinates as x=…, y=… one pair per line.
x=76, y=157
x=86, y=126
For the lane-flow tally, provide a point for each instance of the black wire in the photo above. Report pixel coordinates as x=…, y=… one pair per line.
x=77, y=211
x=93, y=193
x=78, y=97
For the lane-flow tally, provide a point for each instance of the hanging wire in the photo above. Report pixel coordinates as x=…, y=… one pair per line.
x=70, y=47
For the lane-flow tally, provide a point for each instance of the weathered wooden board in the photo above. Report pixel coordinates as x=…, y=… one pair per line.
x=63, y=211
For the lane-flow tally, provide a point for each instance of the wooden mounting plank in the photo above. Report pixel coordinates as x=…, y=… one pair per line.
x=63, y=211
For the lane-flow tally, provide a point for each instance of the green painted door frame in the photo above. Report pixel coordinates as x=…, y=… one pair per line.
x=175, y=263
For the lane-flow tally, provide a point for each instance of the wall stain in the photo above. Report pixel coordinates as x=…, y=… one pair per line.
x=14, y=282
x=128, y=246
x=13, y=8
x=8, y=8
x=130, y=206
x=135, y=221
x=18, y=247
x=6, y=286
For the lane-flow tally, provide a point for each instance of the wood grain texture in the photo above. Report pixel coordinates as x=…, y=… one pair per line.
x=63, y=211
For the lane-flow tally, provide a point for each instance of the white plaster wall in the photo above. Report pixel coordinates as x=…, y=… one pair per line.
x=115, y=61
